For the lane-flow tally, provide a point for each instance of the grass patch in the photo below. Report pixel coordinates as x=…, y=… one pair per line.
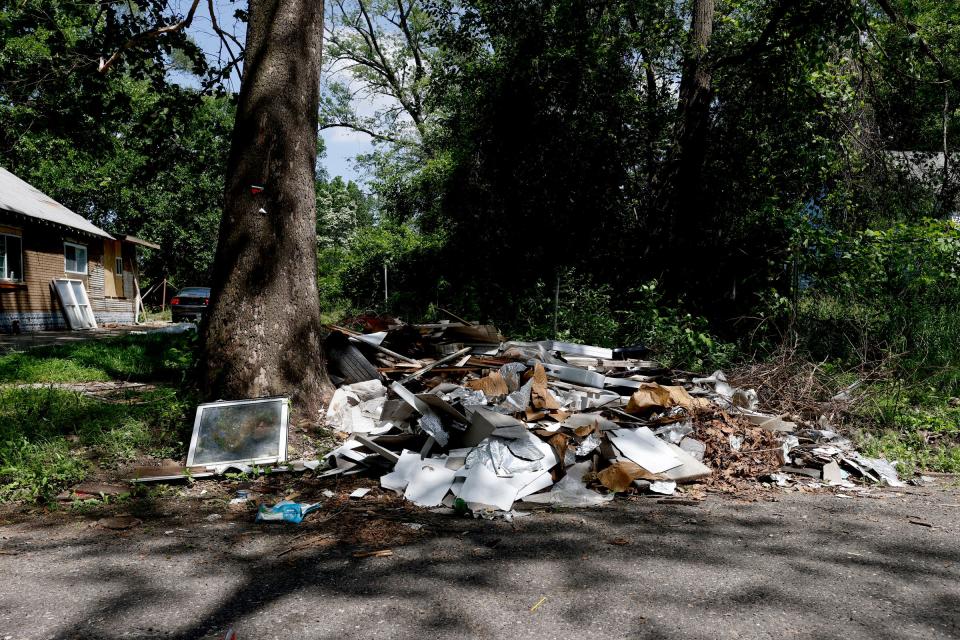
x=158, y=315
x=150, y=357
x=912, y=426
x=51, y=438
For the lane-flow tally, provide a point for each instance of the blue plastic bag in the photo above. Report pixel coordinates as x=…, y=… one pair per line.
x=286, y=511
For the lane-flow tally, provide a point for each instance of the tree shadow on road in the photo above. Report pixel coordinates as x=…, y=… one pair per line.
x=805, y=566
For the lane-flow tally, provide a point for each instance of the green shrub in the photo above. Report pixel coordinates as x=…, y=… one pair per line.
x=679, y=339
x=591, y=313
x=872, y=294
x=352, y=277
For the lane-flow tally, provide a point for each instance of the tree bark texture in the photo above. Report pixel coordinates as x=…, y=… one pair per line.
x=693, y=121
x=696, y=85
x=263, y=334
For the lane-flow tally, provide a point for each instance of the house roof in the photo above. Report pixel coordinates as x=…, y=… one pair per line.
x=135, y=240
x=19, y=197
x=924, y=166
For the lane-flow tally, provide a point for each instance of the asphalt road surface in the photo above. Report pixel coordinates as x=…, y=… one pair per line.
x=800, y=566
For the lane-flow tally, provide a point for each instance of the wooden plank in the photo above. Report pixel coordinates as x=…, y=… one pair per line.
x=430, y=367
x=440, y=371
x=384, y=350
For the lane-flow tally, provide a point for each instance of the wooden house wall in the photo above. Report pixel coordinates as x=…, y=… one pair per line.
x=34, y=303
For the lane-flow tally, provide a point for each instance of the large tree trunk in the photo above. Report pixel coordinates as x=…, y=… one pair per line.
x=683, y=226
x=681, y=186
x=696, y=91
x=263, y=333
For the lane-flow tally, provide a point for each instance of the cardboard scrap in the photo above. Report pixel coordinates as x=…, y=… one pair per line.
x=399, y=478
x=540, y=396
x=429, y=482
x=690, y=468
x=652, y=396
x=493, y=385
x=620, y=475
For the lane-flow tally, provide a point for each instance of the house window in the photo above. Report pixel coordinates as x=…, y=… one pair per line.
x=118, y=266
x=11, y=257
x=74, y=258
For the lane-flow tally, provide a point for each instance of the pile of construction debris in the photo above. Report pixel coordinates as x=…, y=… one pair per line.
x=452, y=414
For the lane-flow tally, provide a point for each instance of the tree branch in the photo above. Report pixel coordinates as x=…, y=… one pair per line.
x=146, y=35
x=414, y=47
x=389, y=72
x=361, y=129
x=914, y=31
x=763, y=41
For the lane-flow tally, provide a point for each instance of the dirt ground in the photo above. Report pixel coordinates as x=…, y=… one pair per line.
x=187, y=565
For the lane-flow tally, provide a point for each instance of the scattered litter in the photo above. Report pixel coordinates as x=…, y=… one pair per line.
x=286, y=511
x=571, y=491
x=88, y=490
x=383, y=553
x=539, y=602
x=359, y=493
x=664, y=487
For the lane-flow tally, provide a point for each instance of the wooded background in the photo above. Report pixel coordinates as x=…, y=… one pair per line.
x=714, y=179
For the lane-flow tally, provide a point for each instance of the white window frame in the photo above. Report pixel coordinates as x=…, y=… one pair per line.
x=3, y=266
x=118, y=265
x=86, y=257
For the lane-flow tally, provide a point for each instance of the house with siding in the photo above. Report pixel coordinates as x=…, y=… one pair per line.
x=42, y=243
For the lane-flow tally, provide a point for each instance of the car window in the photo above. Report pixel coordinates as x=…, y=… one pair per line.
x=195, y=291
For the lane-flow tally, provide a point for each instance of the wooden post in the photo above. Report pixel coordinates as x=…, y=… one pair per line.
x=163, y=300
x=138, y=302
x=556, y=306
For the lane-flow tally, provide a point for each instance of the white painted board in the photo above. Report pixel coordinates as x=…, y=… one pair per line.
x=644, y=448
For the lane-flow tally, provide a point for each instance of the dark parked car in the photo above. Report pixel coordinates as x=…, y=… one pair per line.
x=190, y=303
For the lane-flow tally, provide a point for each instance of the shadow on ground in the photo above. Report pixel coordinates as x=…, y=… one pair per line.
x=799, y=567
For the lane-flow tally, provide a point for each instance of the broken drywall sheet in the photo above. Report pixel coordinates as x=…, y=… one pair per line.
x=571, y=491
x=398, y=479
x=644, y=448
x=483, y=487
x=429, y=482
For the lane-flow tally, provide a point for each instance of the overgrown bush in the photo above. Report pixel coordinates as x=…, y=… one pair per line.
x=352, y=277
x=592, y=313
x=678, y=338
x=871, y=294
